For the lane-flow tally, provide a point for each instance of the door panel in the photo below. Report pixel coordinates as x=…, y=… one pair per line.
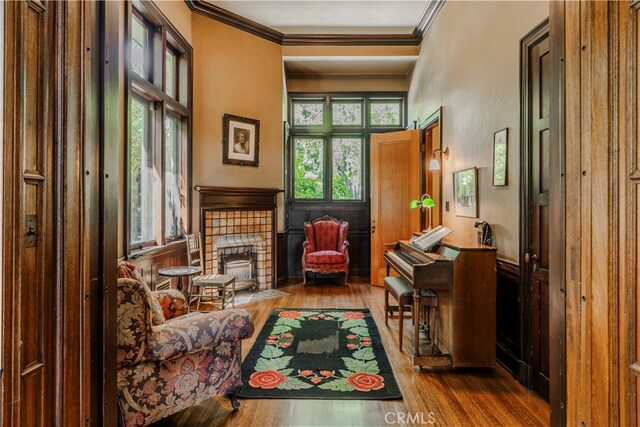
x=539, y=215
x=395, y=180
x=29, y=183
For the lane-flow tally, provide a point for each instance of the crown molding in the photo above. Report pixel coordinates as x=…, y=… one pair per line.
x=412, y=39
x=428, y=17
x=415, y=38
x=222, y=15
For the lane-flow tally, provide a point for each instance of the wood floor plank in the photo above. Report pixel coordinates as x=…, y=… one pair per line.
x=464, y=397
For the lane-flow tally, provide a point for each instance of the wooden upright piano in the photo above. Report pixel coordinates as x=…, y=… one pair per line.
x=463, y=275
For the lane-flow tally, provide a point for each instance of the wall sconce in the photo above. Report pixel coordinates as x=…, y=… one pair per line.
x=425, y=202
x=434, y=164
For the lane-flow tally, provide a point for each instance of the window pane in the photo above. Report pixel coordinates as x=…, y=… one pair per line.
x=346, y=114
x=308, y=114
x=308, y=168
x=347, y=168
x=138, y=45
x=172, y=178
x=385, y=113
x=170, y=78
x=141, y=174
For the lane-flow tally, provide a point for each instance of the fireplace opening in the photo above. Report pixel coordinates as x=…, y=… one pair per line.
x=242, y=267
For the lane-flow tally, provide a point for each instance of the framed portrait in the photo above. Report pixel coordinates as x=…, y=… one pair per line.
x=465, y=192
x=500, y=151
x=240, y=140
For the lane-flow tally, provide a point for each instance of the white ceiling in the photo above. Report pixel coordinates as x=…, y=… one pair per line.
x=331, y=17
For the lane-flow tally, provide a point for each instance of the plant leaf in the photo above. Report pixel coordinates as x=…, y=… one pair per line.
x=334, y=314
x=309, y=313
x=283, y=321
x=270, y=352
x=361, y=366
x=280, y=329
x=346, y=373
x=286, y=372
x=365, y=353
x=340, y=384
x=360, y=331
x=272, y=364
x=352, y=323
x=294, y=384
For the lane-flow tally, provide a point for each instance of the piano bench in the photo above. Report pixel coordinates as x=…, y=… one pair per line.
x=402, y=292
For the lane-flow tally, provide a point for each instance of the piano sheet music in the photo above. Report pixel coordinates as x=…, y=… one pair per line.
x=427, y=240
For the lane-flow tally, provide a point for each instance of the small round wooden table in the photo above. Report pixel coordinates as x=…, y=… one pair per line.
x=179, y=272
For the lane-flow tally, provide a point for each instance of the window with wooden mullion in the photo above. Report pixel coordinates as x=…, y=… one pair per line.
x=159, y=123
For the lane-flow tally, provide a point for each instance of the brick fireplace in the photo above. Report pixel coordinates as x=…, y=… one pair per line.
x=239, y=221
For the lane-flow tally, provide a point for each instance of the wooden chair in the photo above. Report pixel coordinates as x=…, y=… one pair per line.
x=217, y=287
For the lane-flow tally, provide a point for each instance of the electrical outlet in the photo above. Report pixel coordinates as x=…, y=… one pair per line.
x=446, y=206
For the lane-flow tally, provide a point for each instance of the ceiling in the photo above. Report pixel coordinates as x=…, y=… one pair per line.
x=331, y=17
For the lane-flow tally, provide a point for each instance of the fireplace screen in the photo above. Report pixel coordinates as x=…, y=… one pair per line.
x=241, y=267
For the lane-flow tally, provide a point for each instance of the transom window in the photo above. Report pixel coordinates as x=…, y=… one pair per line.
x=159, y=123
x=329, y=140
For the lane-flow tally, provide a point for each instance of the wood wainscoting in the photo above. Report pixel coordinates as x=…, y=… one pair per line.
x=152, y=260
x=511, y=323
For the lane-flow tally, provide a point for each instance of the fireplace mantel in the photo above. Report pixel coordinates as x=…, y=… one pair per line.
x=238, y=197
x=239, y=211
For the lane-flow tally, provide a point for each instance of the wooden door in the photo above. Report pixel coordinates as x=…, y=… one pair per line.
x=29, y=185
x=537, y=255
x=395, y=181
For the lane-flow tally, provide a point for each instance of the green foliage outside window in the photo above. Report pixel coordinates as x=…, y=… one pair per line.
x=347, y=168
x=385, y=114
x=308, y=168
x=311, y=114
x=346, y=114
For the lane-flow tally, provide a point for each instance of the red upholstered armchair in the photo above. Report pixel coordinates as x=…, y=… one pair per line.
x=326, y=249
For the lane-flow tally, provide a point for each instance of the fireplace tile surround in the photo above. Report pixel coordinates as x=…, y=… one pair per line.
x=237, y=220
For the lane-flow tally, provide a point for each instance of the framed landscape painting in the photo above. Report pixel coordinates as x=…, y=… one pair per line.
x=465, y=192
x=240, y=140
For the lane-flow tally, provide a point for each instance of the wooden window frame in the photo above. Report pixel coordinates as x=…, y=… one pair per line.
x=328, y=131
x=162, y=35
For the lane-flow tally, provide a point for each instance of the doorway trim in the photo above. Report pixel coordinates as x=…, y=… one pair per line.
x=557, y=313
x=2, y=50
x=433, y=119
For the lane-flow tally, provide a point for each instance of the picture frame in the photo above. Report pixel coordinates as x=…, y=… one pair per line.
x=500, y=157
x=465, y=192
x=240, y=140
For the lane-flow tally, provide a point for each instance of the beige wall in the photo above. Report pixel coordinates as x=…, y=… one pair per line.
x=347, y=83
x=179, y=14
x=237, y=73
x=469, y=64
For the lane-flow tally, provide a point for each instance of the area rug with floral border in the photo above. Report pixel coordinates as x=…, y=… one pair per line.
x=318, y=354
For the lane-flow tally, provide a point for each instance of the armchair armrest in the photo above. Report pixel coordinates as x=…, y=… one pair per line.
x=197, y=331
x=345, y=246
x=173, y=303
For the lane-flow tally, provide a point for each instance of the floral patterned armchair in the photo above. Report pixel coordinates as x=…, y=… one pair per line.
x=169, y=359
x=326, y=249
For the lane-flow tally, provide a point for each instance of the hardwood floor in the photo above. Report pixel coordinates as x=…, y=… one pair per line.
x=487, y=397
